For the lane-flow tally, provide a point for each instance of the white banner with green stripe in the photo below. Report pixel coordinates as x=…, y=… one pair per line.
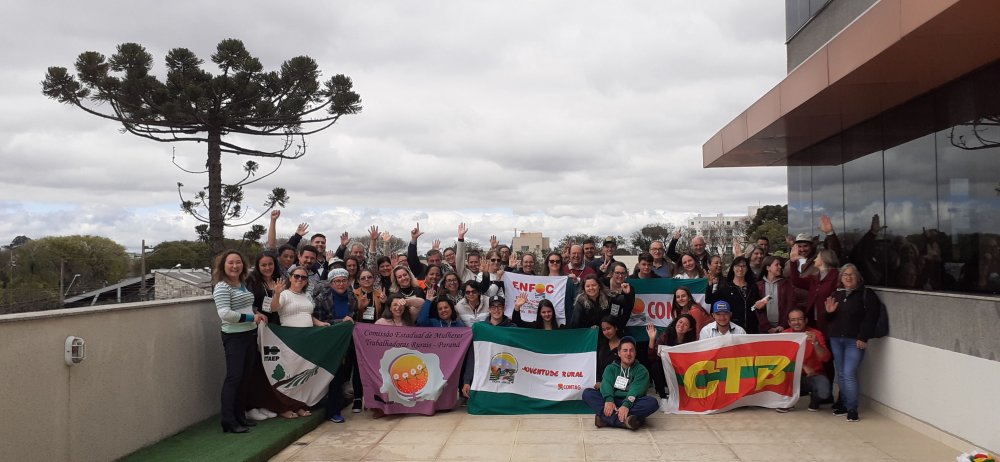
x=300, y=361
x=531, y=371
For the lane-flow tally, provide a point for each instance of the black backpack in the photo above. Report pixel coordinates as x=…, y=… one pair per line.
x=882, y=325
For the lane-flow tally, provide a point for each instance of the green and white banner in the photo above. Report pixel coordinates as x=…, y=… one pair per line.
x=531, y=371
x=300, y=361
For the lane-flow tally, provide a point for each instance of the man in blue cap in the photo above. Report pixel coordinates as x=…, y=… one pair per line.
x=722, y=325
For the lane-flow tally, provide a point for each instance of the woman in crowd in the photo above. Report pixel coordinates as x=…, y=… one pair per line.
x=353, y=267
x=618, y=272
x=714, y=268
x=432, y=276
x=594, y=303
x=684, y=303
x=545, y=315
x=451, y=287
x=852, y=314
x=337, y=303
x=554, y=265
x=528, y=264
x=234, y=304
x=820, y=286
x=404, y=283
x=439, y=312
x=383, y=266
x=690, y=269
x=607, y=344
x=398, y=313
x=680, y=331
x=473, y=307
x=370, y=299
x=295, y=307
x=261, y=282
x=739, y=290
x=780, y=297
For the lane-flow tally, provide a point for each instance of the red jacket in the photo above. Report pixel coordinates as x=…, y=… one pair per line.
x=819, y=290
x=786, y=301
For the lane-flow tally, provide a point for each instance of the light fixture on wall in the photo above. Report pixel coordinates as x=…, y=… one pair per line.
x=76, y=350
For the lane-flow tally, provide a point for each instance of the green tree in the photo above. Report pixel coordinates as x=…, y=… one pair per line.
x=644, y=237
x=196, y=106
x=775, y=233
x=98, y=260
x=776, y=213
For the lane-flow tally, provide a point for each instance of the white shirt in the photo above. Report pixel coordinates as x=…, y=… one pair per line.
x=296, y=309
x=711, y=330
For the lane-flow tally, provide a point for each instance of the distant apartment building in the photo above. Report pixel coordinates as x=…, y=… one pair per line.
x=530, y=242
x=720, y=230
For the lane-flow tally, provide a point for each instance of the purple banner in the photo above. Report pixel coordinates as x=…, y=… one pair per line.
x=410, y=370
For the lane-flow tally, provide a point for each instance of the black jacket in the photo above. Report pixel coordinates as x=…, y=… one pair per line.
x=856, y=314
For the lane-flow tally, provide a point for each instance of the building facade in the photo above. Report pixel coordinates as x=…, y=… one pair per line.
x=530, y=242
x=720, y=230
x=888, y=122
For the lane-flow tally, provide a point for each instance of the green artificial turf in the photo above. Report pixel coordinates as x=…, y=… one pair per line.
x=206, y=441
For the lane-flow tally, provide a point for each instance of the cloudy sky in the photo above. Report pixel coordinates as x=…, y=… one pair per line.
x=560, y=117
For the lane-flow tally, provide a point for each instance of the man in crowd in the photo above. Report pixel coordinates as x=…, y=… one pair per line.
x=621, y=401
x=722, y=325
x=814, y=382
x=576, y=268
x=590, y=250
x=307, y=260
x=699, y=248
x=662, y=266
x=468, y=268
x=602, y=264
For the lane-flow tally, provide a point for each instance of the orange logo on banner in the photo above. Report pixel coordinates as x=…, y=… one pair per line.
x=715, y=379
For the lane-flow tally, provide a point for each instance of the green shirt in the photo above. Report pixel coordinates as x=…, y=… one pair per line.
x=637, y=384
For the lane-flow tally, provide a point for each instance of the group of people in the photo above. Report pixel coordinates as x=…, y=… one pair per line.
x=304, y=285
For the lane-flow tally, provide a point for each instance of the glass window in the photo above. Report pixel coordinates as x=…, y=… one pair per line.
x=799, y=199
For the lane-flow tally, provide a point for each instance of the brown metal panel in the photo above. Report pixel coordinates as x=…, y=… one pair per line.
x=871, y=34
x=804, y=82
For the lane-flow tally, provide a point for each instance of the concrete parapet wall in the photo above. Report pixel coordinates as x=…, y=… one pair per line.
x=151, y=370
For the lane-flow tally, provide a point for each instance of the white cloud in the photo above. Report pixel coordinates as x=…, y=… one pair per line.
x=560, y=117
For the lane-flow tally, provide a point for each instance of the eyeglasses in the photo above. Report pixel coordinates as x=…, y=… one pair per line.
x=619, y=273
x=366, y=278
x=494, y=260
x=299, y=277
x=339, y=281
x=554, y=261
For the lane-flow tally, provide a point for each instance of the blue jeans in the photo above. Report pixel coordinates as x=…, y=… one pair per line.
x=846, y=359
x=817, y=385
x=642, y=407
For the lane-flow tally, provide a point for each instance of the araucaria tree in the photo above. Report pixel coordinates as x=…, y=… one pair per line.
x=194, y=105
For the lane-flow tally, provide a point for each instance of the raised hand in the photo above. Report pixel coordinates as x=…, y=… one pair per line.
x=830, y=304
x=512, y=263
x=494, y=241
x=651, y=332
x=373, y=233
x=436, y=244
x=522, y=298
x=430, y=292
x=302, y=229
x=275, y=214
x=462, y=229
x=279, y=286
x=825, y=224
x=415, y=233
x=677, y=234
x=626, y=288
x=344, y=239
x=386, y=236
x=329, y=255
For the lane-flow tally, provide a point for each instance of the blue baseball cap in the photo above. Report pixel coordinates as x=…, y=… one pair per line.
x=721, y=306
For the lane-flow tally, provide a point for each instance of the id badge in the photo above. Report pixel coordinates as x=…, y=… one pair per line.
x=615, y=309
x=621, y=383
x=369, y=314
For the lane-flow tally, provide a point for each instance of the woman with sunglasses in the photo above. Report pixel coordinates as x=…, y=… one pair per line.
x=295, y=308
x=554, y=267
x=473, y=307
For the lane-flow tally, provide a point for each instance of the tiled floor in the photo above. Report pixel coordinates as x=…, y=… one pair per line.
x=741, y=435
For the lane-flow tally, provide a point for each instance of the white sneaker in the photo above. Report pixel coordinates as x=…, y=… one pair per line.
x=663, y=403
x=268, y=413
x=255, y=414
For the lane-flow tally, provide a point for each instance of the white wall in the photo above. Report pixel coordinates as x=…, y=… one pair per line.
x=152, y=369
x=954, y=392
